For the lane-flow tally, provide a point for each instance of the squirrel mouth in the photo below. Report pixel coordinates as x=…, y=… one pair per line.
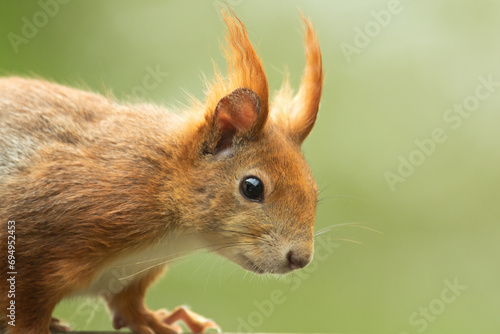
x=249, y=265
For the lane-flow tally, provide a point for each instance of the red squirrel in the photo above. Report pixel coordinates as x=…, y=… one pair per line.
x=94, y=187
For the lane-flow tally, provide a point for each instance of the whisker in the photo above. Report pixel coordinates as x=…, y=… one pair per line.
x=335, y=196
x=198, y=250
x=197, y=268
x=232, y=272
x=353, y=224
x=168, y=256
x=348, y=240
x=368, y=228
x=335, y=226
x=178, y=258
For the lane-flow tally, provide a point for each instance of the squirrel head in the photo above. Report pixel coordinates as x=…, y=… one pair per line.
x=250, y=192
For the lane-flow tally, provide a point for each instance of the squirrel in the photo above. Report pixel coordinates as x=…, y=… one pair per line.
x=103, y=195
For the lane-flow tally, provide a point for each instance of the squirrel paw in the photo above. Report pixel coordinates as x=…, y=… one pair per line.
x=165, y=322
x=195, y=322
x=149, y=322
x=58, y=326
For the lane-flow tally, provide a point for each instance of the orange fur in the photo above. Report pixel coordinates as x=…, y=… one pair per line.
x=244, y=69
x=299, y=111
x=96, y=187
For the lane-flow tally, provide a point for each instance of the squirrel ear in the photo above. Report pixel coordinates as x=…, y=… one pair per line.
x=308, y=97
x=237, y=113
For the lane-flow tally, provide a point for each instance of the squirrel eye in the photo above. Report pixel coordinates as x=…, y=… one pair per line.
x=252, y=188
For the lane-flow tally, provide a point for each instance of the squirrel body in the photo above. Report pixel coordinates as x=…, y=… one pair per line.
x=104, y=195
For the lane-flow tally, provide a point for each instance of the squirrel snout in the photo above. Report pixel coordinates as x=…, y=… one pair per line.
x=296, y=261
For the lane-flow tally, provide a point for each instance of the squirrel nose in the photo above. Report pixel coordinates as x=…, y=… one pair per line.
x=295, y=261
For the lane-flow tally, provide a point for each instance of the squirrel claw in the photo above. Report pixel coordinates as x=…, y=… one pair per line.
x=195, y=322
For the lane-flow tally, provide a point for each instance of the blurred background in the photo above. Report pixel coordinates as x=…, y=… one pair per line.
x=407, y=143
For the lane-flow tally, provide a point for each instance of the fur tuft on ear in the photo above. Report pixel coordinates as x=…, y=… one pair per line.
x=298, y=113
x=244, y=69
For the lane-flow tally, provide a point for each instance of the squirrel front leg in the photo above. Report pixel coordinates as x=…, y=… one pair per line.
x=128, y=310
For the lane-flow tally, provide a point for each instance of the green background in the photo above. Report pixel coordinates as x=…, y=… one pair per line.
x=439, y=225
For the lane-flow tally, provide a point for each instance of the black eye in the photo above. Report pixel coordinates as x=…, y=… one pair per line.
x=252, y=188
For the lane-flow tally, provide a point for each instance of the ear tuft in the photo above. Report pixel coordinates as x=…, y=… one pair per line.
x=244, y=69
x=237, y=112
x=306, y=102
